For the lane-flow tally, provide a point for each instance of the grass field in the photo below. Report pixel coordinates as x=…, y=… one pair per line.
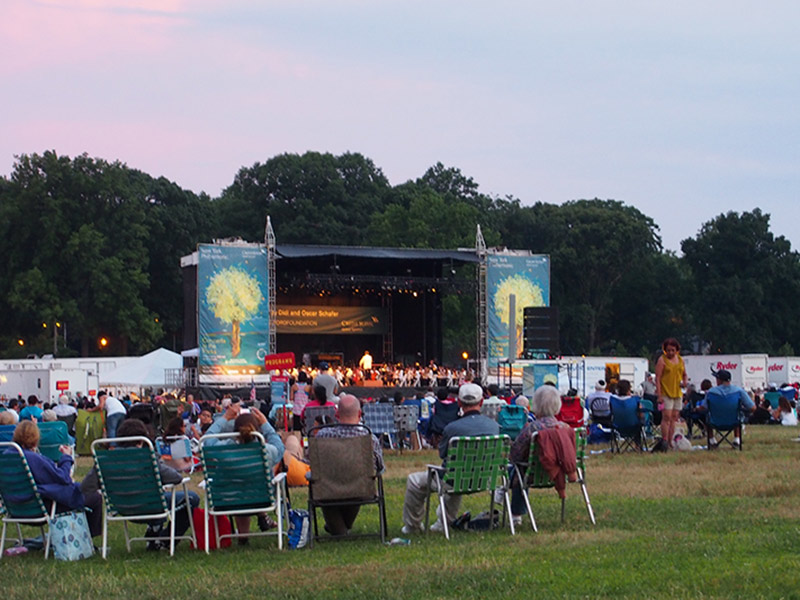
x=719, y=524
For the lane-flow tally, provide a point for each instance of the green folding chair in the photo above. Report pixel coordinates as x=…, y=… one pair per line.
x=133, y=491
x=21, y=503
x=532, y=475
x=473, y=465
x=239, y=481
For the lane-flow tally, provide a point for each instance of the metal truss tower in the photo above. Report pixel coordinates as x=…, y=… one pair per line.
x=269, y=242
x=481, y=306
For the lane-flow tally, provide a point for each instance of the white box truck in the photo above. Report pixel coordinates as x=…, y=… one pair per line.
x=748, y=371
x=783, y=369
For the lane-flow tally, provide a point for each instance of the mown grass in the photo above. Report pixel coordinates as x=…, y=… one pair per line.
x=717, y=524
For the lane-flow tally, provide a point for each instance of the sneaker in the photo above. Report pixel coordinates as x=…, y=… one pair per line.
x=265, y=522
x=155, y=546
x=406, y=530
x=737, y=443
x=517, y=519
x=437, y=527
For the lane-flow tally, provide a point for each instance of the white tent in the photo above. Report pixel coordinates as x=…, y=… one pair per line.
x=145, y=371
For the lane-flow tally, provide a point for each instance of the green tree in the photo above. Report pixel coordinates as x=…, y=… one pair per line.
x=73, y=238
x=312, y=199
x=746, y=282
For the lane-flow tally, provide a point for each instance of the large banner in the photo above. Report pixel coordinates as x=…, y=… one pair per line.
x=331, y=320
x=233, y=314
x=528, y=278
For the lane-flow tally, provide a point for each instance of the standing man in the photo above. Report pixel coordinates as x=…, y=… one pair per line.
x=115, y=412
x=328, y=382
x=470, y=423
x=670, y=378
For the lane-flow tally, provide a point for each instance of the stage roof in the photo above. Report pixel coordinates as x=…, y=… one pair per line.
x=305, y=251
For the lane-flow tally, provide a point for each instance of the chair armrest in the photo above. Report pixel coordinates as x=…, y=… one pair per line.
x=278, y=478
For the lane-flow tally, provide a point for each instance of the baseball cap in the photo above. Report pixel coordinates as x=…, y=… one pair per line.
x=722, y=374
x=470, y=393
x=323, y=366
x=600, y=385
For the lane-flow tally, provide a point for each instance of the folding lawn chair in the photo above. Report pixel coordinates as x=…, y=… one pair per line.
x=490, y=410
x=133, y=491
x=239, y=482
x=324, y=414
x=473, y=465
x=379, y=418
x=7, y=432
x=722, y=419
x=406, y=418
x=343, y=473
x=21, y=503
x=532, y=474
x=627, y=425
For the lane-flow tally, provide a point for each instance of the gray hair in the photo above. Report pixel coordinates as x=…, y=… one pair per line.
x=546, y=401
x=49, y=415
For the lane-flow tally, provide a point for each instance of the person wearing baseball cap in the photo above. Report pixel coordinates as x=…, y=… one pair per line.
x=732, y=392
x=470, y=423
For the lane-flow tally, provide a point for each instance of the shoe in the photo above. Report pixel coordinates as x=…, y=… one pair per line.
x=265, y=523
x=155, y=546
x=406, y=530
x=517, y=520
x=737, y=443
x=437, y=527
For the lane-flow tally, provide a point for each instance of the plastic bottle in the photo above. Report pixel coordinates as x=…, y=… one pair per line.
x=399, y=542
x=14, y=550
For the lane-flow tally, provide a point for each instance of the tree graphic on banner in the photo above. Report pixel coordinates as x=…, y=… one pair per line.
x=234, y=296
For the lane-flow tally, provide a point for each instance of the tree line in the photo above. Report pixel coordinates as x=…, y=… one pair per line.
x=92, y=248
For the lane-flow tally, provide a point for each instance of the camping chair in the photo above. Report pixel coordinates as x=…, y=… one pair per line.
x=21, y=503
x=473, y=465
x=379, y=418
x=133, y=491
x=406, y=417
x=532, y=475
x=512, y=419
x=326, y=414
x=343, y=473
x=174, y=449
x=647, y=411
x=723, y=418
x=627, y=425
x=7, y=432
x=774, y=398
x=70, y=421
x=240, y=482
x=53, y=434
x=443, y=413
x=571, y=411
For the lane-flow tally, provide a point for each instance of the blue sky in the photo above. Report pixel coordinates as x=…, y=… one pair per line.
x=682, y=109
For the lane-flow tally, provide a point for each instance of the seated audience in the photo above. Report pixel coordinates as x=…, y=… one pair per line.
x=339, y=519
x=54, y=480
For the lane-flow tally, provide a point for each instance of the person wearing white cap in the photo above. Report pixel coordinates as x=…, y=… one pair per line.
x=470, y=423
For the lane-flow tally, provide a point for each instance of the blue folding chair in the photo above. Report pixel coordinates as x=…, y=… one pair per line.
x=379, y=417
x=7, y=432
x=627, y=425
x=723, y=418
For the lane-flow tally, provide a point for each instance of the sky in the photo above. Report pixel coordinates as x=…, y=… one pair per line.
x=683, y=109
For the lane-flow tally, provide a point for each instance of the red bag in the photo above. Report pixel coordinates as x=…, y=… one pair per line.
x=222, y=523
